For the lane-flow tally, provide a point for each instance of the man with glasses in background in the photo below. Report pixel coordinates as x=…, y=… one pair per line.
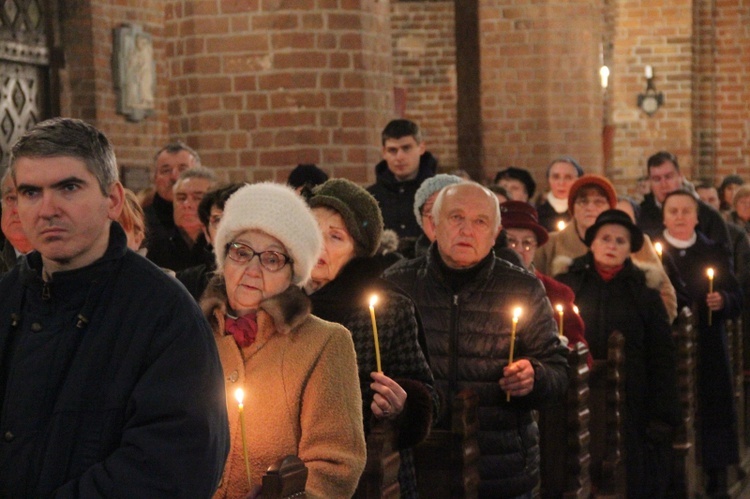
x=665, y=176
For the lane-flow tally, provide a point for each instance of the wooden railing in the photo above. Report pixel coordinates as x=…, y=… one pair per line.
x=286, y=478
x=446, y=462
x=380, y=478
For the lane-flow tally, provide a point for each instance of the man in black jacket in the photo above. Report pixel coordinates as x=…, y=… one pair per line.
x=169, y=163
x=404, y=167
x=110, y=381
x=466, y=298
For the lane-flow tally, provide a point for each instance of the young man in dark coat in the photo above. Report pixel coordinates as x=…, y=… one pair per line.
x=466, y=297
x=110, y=382
x=404, y=167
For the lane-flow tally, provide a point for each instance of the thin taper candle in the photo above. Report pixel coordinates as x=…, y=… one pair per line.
x=516, y=315
x=559, y=309
x=710, y=273
x=373, y=301
x=239, y=394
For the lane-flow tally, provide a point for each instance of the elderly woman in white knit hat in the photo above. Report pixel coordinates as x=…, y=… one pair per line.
x=343, y=281
x=299, y=373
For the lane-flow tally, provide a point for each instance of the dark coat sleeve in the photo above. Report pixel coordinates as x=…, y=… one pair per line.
x=175, y=436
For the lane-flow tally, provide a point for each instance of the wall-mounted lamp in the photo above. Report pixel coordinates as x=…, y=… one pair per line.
x=650, y=100
x=604, y=76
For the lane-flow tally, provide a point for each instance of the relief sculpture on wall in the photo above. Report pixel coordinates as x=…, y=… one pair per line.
x=135, y=72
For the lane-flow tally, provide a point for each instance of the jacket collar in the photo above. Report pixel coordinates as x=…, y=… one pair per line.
x=280, y=313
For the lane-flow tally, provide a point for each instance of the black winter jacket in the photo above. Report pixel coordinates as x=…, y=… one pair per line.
x=468, y=339
x=396, y=199
x=110, y=383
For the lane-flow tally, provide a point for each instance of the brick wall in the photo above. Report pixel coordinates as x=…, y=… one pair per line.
x=540, y=87
x=732, y=97
x=424, y=69
x=665, y=43
x=87, y=88
x=258, y=87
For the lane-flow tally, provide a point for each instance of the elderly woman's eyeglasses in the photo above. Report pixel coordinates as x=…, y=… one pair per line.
x=272, y=261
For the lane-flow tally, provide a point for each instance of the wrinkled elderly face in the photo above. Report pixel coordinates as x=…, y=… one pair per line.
x=611, y=245
x=338, y=245
x=466, y=225
x=589, y=203
x=188, y=194
x=523, y=242
x=168, y=168
x=249, y=283
x=681, y=216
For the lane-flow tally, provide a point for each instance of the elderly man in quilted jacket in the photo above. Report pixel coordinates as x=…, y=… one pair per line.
x=466, y=297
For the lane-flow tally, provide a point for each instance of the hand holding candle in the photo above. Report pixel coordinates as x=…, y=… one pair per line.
x=710, y=274
x=373, y=301
x=516, y=315
x=239, y=394
x=559, y=309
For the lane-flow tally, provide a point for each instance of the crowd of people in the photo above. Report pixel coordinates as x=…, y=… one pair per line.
x=290, y=319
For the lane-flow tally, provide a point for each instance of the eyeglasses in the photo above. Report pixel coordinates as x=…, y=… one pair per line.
x=526, y=244
x=597, y=202
x=273, y=261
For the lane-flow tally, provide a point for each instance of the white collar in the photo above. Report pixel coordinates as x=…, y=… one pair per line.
x=679, y=243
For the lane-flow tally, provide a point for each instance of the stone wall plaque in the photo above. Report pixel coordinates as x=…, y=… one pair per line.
x=134, y=71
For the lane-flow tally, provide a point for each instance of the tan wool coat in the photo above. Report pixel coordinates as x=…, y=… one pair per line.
x=302, y=396
x=557, y=254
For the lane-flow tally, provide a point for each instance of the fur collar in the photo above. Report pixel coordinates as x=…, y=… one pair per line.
x=654, y=277
x=287, y=310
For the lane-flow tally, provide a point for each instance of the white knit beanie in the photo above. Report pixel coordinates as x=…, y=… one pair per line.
x=279, y=212
x=429, y=187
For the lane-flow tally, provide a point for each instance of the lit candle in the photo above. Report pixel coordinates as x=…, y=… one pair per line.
x=710, y=273
x=659, y=249
x=649, y=72
x=559, y=309
x=239, y=394
x=516, y=315
x=575, y=309
x=560, y=225
x=373, y=301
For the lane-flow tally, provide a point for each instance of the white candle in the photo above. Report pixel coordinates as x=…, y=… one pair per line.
x=649, y=72
x=373, y=301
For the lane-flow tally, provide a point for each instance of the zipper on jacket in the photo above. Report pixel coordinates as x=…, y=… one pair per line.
x=453, y=348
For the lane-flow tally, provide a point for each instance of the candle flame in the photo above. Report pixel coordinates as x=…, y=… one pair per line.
x=373, y=300
x=516, y=313
x=575, y=309
x=239, y=394
x=559, y=308
x=710, y=273
x=658, y=248
x=560, y=225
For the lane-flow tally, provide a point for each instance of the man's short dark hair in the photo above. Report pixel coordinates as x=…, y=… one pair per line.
x=69, y=137
x=217, y=197
x=401, y=128
x=660, y=158
x=177, y=146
